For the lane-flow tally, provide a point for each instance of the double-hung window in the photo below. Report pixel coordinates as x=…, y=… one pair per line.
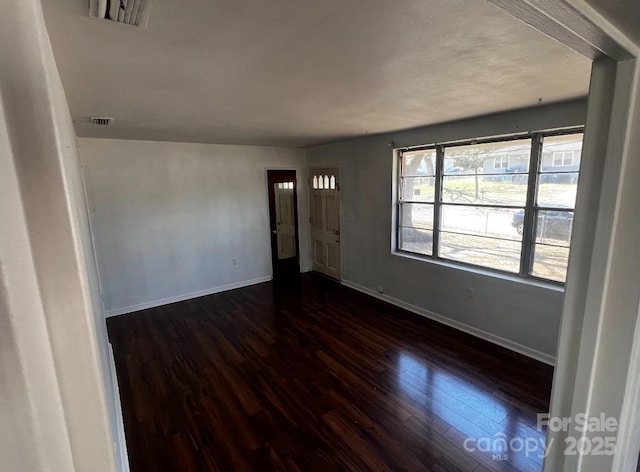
x=502, y=204
x=562, y=158
x=501, y=162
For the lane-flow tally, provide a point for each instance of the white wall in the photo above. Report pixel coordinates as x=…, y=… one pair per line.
x=54, y=399
x=524, y=316
x=168, y=218
x=24, y=369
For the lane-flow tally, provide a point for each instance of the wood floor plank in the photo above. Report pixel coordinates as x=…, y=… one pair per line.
x=316, y=378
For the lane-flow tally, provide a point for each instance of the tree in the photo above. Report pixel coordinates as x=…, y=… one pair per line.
x=472, y=159
x=417, y=165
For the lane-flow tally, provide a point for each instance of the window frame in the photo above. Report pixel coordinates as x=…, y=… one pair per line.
x=531, y=209
x=563, y=158
x=503, y=160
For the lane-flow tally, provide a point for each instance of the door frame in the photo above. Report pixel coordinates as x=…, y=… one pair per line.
x=296, y=211
x=120, y=440
x=310, y=171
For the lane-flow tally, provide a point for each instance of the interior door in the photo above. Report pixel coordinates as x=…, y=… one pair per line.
x=325, y=221
x=283, y=220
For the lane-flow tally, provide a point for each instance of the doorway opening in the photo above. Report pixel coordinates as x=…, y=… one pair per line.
x=283, y=218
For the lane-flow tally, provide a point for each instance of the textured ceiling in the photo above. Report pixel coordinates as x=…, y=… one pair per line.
x=296, y=73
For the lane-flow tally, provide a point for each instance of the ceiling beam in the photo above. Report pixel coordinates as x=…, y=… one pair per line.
x=564, y=23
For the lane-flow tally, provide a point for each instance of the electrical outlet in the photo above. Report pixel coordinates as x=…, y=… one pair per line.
x=471, y=292
x=234, y=261
x=379, y=289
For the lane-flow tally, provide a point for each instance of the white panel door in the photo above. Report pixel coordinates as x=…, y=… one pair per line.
x=325, y=221
x=286, y=222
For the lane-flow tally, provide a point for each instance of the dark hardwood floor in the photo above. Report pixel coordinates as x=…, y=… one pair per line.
x=320, y=378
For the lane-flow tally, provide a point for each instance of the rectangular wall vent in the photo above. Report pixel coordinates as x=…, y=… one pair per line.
x=101, y=120
x=128, y=12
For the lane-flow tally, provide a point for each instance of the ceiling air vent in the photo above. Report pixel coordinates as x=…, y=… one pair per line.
x=128, y=12
x=101, y=120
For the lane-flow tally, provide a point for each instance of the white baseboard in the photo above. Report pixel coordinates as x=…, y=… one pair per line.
x=493, y=338
x=120, y=439
x=187, y=296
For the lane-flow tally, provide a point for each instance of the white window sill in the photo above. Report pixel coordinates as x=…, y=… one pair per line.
x=480, y=271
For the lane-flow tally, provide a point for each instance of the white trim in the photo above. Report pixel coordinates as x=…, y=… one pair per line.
x=186, y=296
x=502, y=161
x=120, y=439
x=563, y=156
x=626, y=457
x=85, y=191
x=495, y=339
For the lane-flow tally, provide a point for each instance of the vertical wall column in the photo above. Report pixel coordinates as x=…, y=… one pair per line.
x=56, y=352
x=601, y=307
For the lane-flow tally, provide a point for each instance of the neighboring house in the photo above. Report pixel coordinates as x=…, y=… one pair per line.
x=561, y=157
x=505, y=160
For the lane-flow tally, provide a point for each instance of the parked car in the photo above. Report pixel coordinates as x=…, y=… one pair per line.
x=552, y=224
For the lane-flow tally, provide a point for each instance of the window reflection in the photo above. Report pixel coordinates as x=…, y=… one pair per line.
x=469, y=410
